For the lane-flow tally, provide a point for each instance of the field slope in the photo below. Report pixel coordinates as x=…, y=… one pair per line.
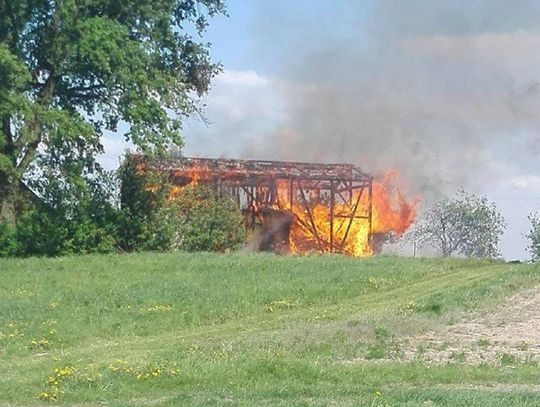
x=254, y=330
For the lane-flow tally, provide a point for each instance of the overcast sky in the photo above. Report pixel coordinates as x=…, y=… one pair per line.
x=446, y=92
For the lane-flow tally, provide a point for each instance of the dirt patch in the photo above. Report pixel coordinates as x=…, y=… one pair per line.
x=507, y=335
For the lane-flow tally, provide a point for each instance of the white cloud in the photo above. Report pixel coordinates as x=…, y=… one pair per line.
x=243, y=95
x=241, y=107
x=527, y=182
x=248, y=78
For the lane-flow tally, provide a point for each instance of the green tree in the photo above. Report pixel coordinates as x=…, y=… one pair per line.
x=143, y=194
x=534, y=237
x=466, y=225
x=71, y=69
x=70, y=218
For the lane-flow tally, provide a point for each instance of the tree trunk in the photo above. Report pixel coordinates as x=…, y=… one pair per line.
x=10, y=199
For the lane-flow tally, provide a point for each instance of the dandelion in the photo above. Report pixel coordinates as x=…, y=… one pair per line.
x=280, y=304
x=55, y=395
x=121, y=366
x=42, y=344
x=60, y=374
x=192, y=349
x=155, y=373
x=374, y=282
x=159, y=308
x=376, y=395
x=21, y=292
x=174, y=371
x=92, y=379
x=44, y=396
x=408, y=307
x=54, y=382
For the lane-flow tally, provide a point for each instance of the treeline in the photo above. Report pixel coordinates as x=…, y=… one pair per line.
x=123, y=211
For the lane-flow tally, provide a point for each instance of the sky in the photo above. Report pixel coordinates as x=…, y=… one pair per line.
x=446, y=93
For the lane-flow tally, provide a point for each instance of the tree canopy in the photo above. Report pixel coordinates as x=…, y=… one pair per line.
x=533, y=237
x=467, y=225
x=71, y=69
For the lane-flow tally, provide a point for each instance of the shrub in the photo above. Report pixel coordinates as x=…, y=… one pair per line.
x=70, y=219
x=157, y=216
x=205, y=219
x=8, y=241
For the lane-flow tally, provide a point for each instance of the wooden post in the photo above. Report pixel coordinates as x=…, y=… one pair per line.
x=351, y=219
x=310, y=215
x=291, y=194
x=370, y=211
x=332, y=204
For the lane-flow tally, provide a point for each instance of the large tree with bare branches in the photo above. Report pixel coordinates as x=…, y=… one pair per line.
x=71, y=69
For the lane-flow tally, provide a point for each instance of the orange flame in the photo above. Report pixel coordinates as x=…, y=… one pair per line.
x=311, y=230
x=392, y=213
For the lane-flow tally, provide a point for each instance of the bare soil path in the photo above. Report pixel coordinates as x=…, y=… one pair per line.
x=508, y=334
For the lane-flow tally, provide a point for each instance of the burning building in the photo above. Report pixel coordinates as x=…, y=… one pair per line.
x=300, y=207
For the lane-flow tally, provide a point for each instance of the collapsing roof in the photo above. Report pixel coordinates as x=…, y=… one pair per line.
x=251, y=170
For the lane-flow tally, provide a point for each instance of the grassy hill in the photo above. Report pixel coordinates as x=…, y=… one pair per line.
x=238, y=329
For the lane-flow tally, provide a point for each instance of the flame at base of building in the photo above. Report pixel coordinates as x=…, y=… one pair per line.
x=357, y=227
x=301, y=207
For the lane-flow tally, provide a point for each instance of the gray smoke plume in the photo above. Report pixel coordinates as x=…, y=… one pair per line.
x=446, y=92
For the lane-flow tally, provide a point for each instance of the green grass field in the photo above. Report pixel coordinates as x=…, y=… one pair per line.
x=248, y=330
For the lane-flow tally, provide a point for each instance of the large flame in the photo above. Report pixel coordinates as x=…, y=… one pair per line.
x=392, y=215
x=310, y=228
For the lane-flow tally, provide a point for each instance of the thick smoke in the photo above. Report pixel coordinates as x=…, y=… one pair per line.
x=441, y=91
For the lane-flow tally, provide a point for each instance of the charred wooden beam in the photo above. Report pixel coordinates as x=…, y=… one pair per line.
x=252, y=169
